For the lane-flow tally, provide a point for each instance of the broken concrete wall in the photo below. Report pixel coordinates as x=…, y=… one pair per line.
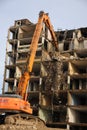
x=56, y=76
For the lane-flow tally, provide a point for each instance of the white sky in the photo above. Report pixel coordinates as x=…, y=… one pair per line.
x=64, y=14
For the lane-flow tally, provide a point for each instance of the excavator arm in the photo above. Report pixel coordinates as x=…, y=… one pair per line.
x=23, y=83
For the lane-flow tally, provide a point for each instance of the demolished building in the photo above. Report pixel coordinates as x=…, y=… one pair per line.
x=58, y=86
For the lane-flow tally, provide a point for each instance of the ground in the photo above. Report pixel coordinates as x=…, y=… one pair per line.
x=26, y=127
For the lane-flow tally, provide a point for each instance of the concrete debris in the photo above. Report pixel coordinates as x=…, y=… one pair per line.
x=15, y=127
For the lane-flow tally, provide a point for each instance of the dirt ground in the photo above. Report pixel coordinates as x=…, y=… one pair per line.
x=26, y=127
x=23, y=124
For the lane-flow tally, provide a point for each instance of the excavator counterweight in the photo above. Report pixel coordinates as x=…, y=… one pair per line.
x=14, y=103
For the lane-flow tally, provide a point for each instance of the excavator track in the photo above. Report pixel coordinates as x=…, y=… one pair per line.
x=22, y=119
x=23, y=122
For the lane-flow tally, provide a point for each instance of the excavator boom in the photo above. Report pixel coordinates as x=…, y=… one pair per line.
x=23, y=83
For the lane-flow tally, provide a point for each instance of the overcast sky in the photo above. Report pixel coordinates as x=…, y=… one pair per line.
x=64, y=14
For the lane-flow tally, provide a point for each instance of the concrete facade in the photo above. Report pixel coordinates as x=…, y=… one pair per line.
x=58, y=86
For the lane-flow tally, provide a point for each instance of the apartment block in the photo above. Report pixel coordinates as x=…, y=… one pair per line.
x=57, y=90
x=73, y=45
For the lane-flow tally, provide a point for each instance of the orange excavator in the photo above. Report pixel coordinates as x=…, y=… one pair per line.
x=12, y=103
